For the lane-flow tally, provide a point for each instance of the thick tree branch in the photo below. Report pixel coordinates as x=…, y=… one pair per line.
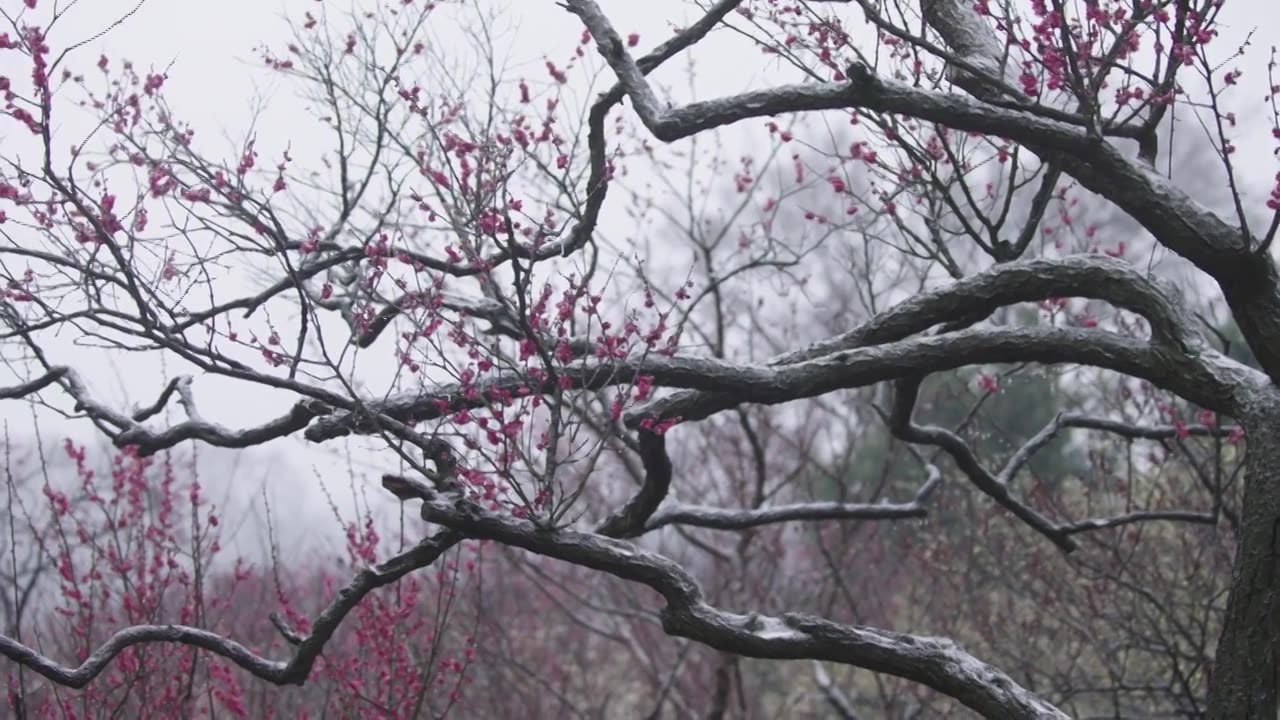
x=33, y=386
x=859, y=367
x=124, y=429
x=99, y=659
x=718, y=518
x=631, y=519
x=862, y=91
x=935, y=662
x=152, y=441
x=1094, y=277
x=1250, y=282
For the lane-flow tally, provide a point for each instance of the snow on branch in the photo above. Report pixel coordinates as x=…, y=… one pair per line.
x=125, y=429
x=1140, y=516
x=1174, y=218
x=863, y=91
x=845, y=369
x=1117, y=427
x=975, y=297
x=935, y=662
x=717, y=518
x=646, y=511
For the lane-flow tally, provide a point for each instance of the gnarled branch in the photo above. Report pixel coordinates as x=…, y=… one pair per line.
x=935, y=662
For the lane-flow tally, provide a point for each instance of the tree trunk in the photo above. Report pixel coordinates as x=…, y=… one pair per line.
x=1244, y=681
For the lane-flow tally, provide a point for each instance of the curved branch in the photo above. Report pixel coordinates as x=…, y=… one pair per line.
x=99, y=659
x=633, y=518
x=1029, y=449
x=718, y=518
x=144, y=413
x=1094, y=277
x=902, y=427
x=935, y=662
x=1140, y=516
x=770, y=385
x=1088, y=276
x=152, y=441
x=1249, y=280
x=130, y=431
x=292, y=672
x=864, y=90
x=33, y=386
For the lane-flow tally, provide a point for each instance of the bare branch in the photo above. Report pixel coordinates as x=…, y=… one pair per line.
x=1140, y=516
x=902, y=427
x=716, y=518
x=33, y=386
x=1118, y=427
x=1028, y=449
x=1145, y=432
x=839, y=702
x=82, y=675
x=142, y=414
x=152, y=441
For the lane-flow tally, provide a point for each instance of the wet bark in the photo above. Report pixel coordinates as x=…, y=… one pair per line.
x=1244, y=682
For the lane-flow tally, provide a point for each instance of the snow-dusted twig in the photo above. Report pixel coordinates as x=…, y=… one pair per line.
x=1137, y=517
x=835, y=697
x=1117, y=427
x=718, y=518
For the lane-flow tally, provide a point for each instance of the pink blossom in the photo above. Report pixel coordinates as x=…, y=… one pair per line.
x=988, y=383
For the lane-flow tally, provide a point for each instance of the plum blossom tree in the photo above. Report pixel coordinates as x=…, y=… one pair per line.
x=445, y=280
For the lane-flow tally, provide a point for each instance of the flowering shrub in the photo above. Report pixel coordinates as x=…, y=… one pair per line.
x=142, y=545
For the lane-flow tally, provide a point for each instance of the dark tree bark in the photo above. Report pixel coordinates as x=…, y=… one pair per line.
x=1246, y=670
